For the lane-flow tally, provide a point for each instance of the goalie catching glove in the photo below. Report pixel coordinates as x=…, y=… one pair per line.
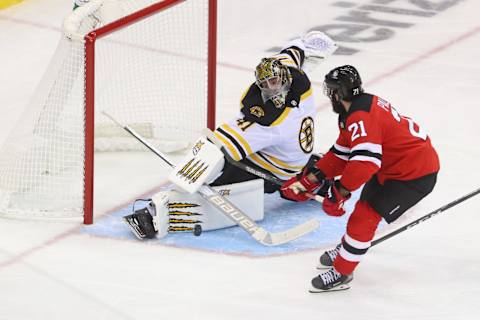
x=317, y=47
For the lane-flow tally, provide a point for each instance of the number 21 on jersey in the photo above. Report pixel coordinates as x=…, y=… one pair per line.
x=357, y=129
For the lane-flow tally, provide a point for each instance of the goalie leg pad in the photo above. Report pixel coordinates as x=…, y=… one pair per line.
x=175, y=211
x=159, y=211
x=189, y=212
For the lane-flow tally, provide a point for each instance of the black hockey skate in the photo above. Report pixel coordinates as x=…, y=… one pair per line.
x=141, y=224
x=326, y=259
x=330, y=281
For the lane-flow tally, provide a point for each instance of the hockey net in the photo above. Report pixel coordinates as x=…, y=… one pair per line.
x=150, y=64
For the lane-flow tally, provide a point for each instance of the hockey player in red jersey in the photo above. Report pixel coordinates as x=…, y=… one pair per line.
x=378, y=147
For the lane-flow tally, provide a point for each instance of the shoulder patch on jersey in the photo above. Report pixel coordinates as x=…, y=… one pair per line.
x=300, y=86
x=257, y=111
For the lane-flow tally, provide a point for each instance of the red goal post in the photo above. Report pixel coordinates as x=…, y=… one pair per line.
x=90, y=40
x=151, y=64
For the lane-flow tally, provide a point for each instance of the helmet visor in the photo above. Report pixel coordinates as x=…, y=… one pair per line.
x=328, y=91
x=277, y=93
x=272, y=83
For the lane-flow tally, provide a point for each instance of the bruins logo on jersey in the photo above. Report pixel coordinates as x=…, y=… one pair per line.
x=306, y=135
x=257, y=111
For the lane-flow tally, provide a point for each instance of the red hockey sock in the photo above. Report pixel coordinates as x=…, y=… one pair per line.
x=361, y=228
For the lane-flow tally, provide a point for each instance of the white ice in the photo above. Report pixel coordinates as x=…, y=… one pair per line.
x=429, y=71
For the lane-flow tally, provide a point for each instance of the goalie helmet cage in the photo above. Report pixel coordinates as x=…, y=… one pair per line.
x=151, y=64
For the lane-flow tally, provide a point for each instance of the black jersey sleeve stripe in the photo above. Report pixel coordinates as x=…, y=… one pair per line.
x=366, y=153
x=289, y=171
x=233, y=141
x=338, y=152
x=296, y=54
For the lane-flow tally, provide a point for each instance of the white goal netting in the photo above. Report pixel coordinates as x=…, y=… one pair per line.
x=150, y=75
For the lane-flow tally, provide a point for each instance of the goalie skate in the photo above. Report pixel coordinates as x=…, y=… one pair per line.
x=141, y=224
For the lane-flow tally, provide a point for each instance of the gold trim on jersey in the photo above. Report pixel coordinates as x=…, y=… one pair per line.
x=287, y=110
x=230, y=146
x=306, y=94
x=282, y=117
x=281, y=163
x=243, y=96
x=238, y=137
x=296, y=56
x=265, y=165
x=289, y=62
x=288, y=59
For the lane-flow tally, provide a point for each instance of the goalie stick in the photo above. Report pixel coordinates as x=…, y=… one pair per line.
x=229, y=209
x=245, y=167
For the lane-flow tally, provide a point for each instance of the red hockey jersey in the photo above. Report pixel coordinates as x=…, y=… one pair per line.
x=375, y=139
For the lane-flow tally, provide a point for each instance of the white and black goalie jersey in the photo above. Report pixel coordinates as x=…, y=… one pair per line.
x=279, y=140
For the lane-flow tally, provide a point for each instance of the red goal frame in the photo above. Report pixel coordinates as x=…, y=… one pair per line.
x=90, y=40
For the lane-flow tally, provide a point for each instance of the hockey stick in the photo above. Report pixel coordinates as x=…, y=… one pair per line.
x=245, y=167
x=426, y=217
x=229, y=209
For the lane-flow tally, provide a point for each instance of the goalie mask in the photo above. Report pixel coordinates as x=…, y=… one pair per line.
x=274, y=81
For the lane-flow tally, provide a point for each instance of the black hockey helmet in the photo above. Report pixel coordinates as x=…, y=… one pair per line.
x=345, y=81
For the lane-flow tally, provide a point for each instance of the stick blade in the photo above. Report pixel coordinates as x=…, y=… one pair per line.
x=278, y=238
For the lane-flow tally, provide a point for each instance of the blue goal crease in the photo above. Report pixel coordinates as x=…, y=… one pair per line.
x=280, y=215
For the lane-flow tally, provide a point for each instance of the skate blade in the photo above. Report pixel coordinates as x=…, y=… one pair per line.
x=322, y=267
x=133, y=227
x=341, y=287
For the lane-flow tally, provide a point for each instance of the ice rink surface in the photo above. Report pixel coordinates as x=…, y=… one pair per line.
x=422, y=56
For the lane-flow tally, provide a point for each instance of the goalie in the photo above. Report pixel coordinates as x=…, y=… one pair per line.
x=273, y=133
